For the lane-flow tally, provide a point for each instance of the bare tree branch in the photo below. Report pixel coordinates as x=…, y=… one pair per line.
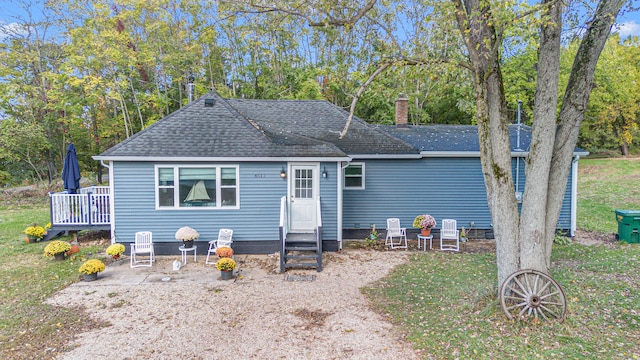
x=328, y=21
x=361, y=90
x=343, y=22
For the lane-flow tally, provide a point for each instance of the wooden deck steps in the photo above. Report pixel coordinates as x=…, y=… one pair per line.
x=301, y=250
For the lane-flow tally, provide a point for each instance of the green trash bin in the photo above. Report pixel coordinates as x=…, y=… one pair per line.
x=628, y=225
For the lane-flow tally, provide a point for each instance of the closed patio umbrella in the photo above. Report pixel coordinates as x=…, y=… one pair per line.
x=71, y=170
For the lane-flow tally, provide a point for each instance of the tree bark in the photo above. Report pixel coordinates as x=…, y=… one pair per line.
x=574, y=105
x=525, y=240
x=533, y=248
x=483, y=43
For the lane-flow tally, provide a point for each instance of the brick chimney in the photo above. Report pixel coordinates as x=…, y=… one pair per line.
x=402, y=111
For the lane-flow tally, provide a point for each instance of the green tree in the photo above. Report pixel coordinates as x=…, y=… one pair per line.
x=30, y=60
x=613, y=114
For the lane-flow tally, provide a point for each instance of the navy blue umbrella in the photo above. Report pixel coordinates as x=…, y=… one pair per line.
x=71, y=171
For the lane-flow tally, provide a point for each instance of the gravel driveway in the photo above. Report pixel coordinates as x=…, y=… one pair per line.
x=159, y=313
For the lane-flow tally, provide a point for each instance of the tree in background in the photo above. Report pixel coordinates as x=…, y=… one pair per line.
x=613, y=115
x=35, y=123
x=524, y=237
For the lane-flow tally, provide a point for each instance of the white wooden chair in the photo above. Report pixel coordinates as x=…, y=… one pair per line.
x=143, y=245
x=450, y=234
x=225, y=238
x=395, y=231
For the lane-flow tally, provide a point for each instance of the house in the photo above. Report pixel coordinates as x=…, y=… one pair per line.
x=273, y=170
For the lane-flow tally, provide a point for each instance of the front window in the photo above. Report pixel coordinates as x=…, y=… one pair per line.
x=204, y=186
x=354, y=176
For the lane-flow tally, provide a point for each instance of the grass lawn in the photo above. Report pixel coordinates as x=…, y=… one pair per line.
x=605, y=185
x=445, y=303
x=448, y=306
x=30, y=329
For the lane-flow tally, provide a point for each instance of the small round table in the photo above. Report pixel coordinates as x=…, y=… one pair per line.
x=424, y=239
x=184, y=252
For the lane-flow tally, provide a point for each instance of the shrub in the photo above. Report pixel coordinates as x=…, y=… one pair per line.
x=226, y=264
x=115, y=249
x=91, y=266
x=56, y=247
x=224, y=252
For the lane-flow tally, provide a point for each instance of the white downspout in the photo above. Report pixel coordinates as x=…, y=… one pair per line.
x=112, y=210
x=574, y=195
x=339, y=190
x=518, y=192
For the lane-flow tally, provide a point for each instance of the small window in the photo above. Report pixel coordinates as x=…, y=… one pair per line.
x=165, y=187
x=228, y=186
x=354, y=176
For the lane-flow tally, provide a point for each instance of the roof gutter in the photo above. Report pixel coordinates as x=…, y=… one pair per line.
x=217, y=159
x=386, y=156
x=517, y=154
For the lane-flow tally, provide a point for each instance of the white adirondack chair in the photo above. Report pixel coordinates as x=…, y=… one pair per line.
x=225, y=238
x=143, y=245
x=395, y=231
x=450, y=234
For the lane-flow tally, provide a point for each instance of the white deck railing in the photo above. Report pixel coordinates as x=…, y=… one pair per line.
x=284, y=219
x=101, y=190
x=86, y=208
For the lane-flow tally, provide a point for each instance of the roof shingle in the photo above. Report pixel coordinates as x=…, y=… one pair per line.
x=257, y=128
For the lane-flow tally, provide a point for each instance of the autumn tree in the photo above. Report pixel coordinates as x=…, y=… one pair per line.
x=34, y=129
x=524, y=236
x=612, y=118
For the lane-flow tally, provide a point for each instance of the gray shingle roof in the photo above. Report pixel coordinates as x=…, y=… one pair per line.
x=456, y=138
x=257, y=128
x=319, y=120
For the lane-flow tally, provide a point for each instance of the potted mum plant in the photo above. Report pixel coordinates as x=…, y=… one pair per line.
x=35, y=233
x=226, y=267
x=115, y=250
x=424, y=222
x=91, y=268
x=57, y=249
x=187, y=235
x=224, y=252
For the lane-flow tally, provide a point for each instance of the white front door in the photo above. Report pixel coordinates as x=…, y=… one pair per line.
x=304, y=192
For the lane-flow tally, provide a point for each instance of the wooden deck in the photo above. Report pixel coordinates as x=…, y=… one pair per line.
x=87, y=210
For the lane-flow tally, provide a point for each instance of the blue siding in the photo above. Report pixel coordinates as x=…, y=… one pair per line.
x=443, y=187
x=564, y=221
x=260, y=188
x=257, y=218
x=329, y=201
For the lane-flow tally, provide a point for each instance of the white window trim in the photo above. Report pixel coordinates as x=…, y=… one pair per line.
x=176, y=195
x=344, y=174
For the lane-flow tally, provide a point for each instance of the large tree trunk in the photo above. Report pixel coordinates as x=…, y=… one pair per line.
x=533, y=248
x=574, y=105
x=525, y=240
x=483, y=44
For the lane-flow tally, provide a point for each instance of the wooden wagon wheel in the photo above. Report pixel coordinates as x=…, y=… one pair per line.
x=530, y=294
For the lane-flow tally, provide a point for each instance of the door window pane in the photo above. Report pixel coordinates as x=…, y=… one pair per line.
x=304, y=183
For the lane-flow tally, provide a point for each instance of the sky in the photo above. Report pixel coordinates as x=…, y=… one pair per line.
x=630, y=27
x=628, y=23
